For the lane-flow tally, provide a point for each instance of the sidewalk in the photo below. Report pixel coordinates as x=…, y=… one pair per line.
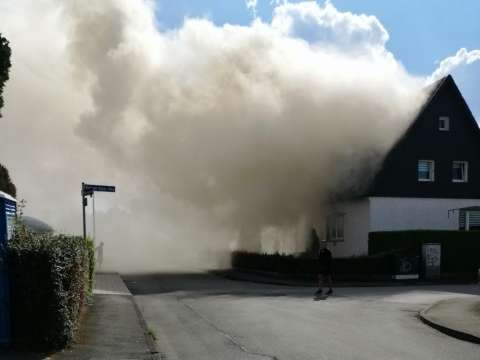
x=112, y=328
x=458, y=317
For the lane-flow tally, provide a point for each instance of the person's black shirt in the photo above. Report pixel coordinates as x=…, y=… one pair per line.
x=325, y=260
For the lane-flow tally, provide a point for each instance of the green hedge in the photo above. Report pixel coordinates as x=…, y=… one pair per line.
x=460, y=249
x=278, y=263
x=51, y=277
x=362, y=267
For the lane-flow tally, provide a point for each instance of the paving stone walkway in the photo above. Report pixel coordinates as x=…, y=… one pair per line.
x=112, y=327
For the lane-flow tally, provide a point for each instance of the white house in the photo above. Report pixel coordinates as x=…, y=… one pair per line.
x=433, y=170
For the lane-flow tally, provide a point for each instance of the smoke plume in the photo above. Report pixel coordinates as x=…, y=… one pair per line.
x=216, y=136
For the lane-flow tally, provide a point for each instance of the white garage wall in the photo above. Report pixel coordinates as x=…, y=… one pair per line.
x=389, y=213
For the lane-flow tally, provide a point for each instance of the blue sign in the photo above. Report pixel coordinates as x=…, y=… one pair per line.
x=8, y=210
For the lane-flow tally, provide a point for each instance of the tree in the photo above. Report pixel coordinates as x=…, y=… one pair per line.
x=5, y=64
x=6, y=184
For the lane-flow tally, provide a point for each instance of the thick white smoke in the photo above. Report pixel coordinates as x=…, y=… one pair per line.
x=214, y=135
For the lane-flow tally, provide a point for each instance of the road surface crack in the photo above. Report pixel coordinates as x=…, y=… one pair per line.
x=226, y=335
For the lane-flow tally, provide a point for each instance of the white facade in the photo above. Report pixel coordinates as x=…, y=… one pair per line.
x=393, y=213
x=388, y=213
x=356, y=228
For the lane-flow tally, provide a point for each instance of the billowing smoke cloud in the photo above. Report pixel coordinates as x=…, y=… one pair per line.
x=449, y=64
x=327, y=26
x=465, y=68
x=252, y=6
x=214, y=135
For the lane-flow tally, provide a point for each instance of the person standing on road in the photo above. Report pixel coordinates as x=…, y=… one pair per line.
x=324, y=270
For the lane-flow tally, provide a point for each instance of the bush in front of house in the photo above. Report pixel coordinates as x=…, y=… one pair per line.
x=353, y=268
x=460, y=249
x=6, y=184
x=51, y=277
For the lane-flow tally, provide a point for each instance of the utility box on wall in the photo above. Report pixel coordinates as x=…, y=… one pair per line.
x=8, y=212
x=431, y=257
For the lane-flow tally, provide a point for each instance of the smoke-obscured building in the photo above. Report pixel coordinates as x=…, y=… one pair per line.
x=432, y=169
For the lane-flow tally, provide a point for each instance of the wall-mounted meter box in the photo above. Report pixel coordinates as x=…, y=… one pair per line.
x=8, y=213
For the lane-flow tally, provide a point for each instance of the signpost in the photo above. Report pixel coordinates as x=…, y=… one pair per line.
x=89, y=190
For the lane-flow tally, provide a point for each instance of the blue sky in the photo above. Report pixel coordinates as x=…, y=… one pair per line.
x=421, y=33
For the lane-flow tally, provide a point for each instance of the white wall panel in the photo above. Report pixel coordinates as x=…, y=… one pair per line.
x=390, y=213
x=356, y=229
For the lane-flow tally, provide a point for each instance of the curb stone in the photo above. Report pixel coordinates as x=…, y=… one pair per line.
x=154, y=351
x=458, y=334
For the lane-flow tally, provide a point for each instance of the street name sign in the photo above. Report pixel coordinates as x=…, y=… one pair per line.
x=89, y=188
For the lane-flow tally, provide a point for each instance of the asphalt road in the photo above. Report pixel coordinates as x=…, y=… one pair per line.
x=201, y=316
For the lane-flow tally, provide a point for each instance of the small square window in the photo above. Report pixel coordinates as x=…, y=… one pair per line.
x=444, y=123
x=460, y=171
x=426, y=170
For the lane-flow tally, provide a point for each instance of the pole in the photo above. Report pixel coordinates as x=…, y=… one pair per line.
x=84, y=200
x=93, y=204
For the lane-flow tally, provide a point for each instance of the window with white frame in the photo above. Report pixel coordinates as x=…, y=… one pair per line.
x=444, y=123
x=426, y=170
x=335, y=227
x=460, y=171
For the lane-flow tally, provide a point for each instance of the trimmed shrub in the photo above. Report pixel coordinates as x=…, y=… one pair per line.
x=361, y=267
x=460, y=249
x=279, y=263
x=51, y=277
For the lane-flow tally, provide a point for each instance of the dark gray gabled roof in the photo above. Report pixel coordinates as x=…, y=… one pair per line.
x=394, y=177
x=433, y=89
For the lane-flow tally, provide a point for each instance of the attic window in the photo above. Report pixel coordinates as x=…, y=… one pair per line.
x=444, y=123
x=426, y=170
